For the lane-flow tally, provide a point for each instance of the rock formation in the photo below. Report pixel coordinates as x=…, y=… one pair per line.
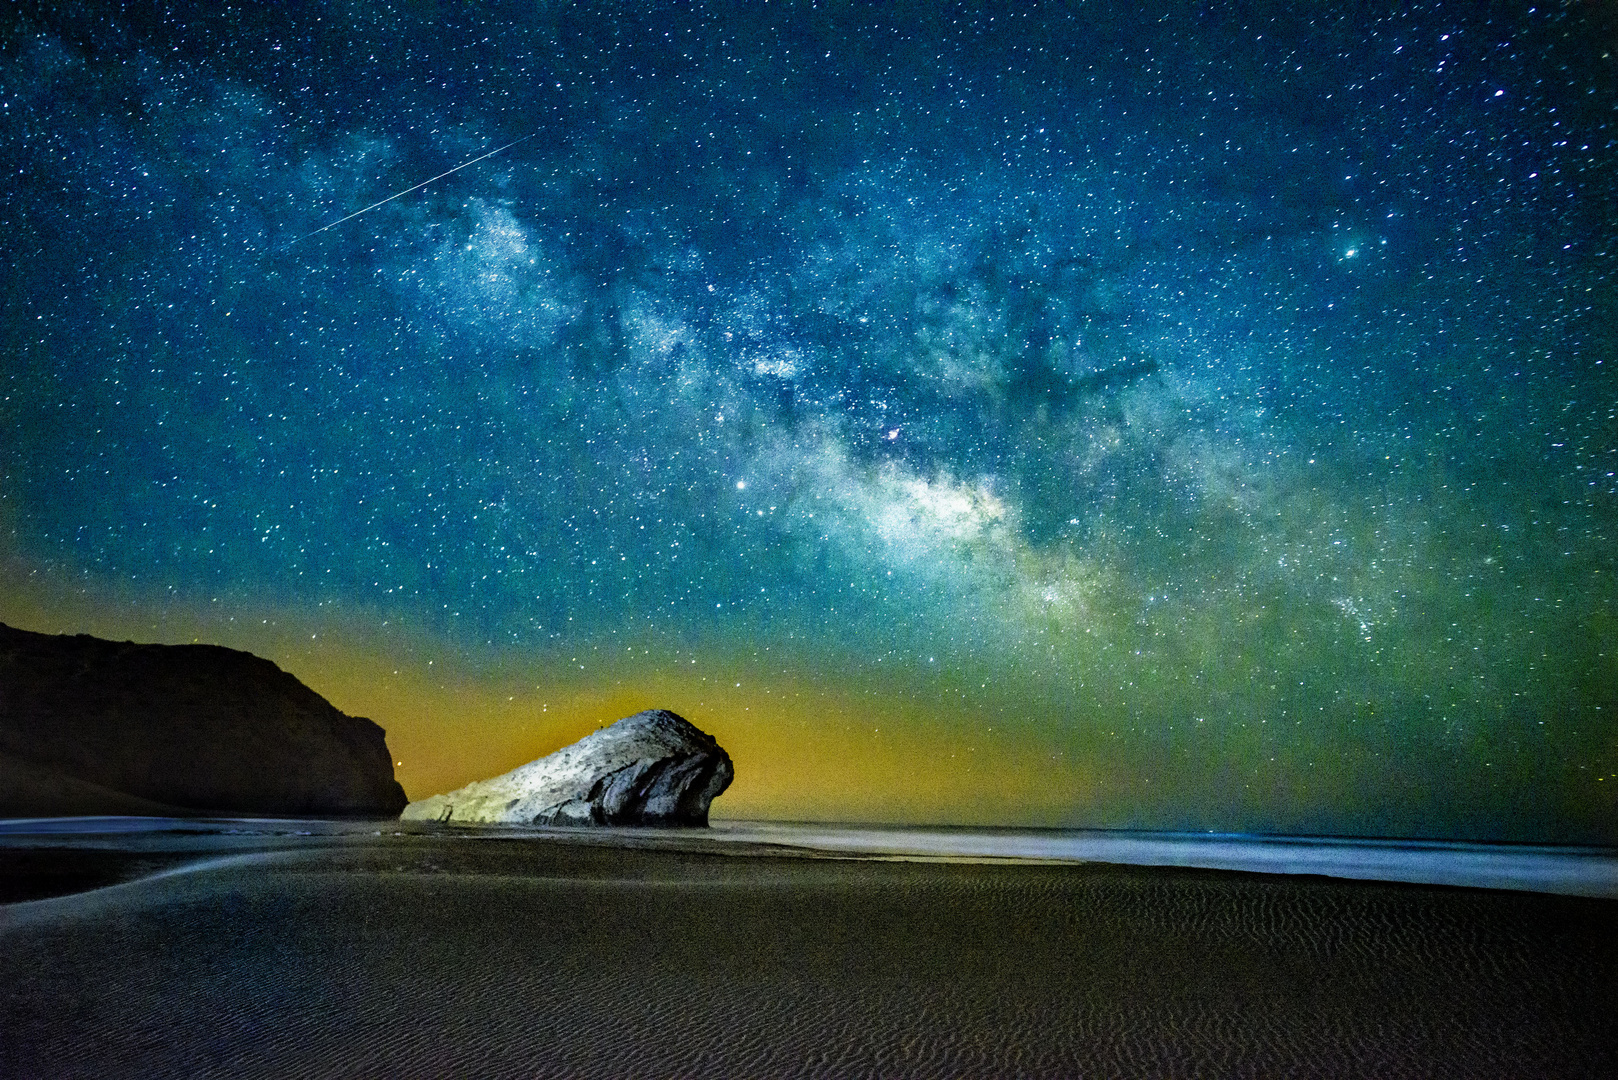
x=653, y=768
x=89, y=726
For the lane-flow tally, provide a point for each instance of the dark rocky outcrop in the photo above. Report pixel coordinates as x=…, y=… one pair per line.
x=89, y=726
x=653, y=768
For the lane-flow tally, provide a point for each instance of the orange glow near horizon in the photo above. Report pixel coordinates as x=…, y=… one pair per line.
x=806, y=745
x=803, y=750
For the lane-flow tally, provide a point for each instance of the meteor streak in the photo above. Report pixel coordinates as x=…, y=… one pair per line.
x=408, y=190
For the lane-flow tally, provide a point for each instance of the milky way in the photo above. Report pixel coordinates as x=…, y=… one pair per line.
x=1066, y=416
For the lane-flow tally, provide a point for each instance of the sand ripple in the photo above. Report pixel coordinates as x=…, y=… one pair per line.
x=424, y=957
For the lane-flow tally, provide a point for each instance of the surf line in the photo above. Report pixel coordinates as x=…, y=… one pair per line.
x=408, y=190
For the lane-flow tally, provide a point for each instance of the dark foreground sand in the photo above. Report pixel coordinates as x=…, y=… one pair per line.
x=437, y=955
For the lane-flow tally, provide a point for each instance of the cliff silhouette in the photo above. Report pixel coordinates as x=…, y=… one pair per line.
x=90, y=726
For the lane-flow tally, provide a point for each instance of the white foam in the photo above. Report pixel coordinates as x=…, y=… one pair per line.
x=1577, y=871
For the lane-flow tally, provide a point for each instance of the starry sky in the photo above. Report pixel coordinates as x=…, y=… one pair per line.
x=1194, y=416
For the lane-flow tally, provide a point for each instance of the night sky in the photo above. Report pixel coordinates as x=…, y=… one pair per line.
x=1193, y=416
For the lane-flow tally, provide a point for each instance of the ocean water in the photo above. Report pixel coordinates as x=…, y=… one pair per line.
x=1580, y=871
x=1568, y=870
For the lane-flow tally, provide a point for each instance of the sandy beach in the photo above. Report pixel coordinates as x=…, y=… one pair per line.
x=366, y=950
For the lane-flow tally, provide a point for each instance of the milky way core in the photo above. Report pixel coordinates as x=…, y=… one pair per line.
x=1062, y=415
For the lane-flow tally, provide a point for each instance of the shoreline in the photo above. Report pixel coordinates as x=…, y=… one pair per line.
x=277, y=948
x=1570, y=870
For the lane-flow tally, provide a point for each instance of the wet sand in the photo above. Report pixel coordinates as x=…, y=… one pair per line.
x=431, y=953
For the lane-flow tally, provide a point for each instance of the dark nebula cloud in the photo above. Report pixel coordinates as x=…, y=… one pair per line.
x=1221, y=406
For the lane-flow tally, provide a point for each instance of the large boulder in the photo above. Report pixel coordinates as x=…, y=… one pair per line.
x=653, y=768
x=89, y=726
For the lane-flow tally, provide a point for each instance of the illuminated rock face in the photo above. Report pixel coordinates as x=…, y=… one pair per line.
x=89, y=726
x=653, y=768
